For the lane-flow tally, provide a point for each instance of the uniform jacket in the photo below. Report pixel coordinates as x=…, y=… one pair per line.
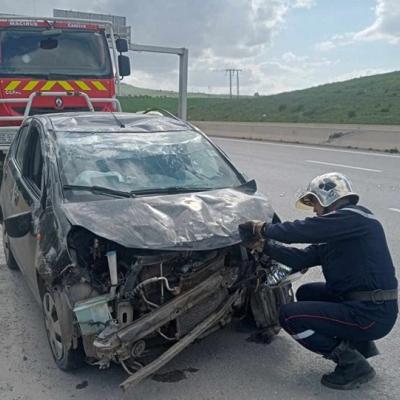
x=350, y=245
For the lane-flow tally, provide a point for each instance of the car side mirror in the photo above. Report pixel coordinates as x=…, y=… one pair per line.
x=18, y=225
x=124, y=65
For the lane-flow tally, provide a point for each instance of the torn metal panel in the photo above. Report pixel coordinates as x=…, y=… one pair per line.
x=173, y=351
x=150, y=322
x=198, y=221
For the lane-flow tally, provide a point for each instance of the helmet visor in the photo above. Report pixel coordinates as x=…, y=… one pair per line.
x=306, y=201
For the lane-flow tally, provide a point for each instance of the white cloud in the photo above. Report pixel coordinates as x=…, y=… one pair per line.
x=304, y=3
x=385, y=27
x=336, y=41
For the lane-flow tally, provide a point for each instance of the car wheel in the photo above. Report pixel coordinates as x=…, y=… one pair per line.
x=10, y=260
x=58, y=323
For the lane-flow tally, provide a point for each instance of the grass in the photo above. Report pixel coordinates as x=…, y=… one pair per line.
x=369, y=100
x=134, y=91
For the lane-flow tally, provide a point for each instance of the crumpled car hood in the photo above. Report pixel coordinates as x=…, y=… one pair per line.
x=189, y=221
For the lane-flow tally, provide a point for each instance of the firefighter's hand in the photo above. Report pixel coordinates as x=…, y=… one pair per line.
x=251, y=233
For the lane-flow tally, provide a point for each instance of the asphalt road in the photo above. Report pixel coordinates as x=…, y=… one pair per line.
x=224, y=365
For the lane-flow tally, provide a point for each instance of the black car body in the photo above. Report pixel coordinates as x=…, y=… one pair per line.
x=125, y=228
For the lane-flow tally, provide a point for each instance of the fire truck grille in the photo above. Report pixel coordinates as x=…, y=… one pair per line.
x=43, y=110
x=6, y=137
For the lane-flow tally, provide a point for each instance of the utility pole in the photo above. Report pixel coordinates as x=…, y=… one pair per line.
x=232, y=72
x=237, y=82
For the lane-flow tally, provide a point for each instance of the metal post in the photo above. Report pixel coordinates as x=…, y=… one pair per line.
x=183, y=70
x=237, y=82
x=183, y=83
x=115, y=59
x=230, y=83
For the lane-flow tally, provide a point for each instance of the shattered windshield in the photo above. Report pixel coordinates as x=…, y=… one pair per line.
x=143, y=162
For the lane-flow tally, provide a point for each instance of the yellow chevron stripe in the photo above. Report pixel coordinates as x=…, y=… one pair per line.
x=12, y=86
x=98, y=85
x=82, y=85
x=30, y=85
x=48, y=86
x=65, y=85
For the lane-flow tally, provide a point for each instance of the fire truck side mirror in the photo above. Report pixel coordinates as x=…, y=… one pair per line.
x=124, y=65
x=121, y=45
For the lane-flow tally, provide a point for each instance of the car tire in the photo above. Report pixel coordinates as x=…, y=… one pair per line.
x=10, y=260
x=58, y=321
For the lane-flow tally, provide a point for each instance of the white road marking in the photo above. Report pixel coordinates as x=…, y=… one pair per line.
x=395, y=209
x=343, y=166
x=368, y=153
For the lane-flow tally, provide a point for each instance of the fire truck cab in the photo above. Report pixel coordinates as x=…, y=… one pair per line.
x=56, y=65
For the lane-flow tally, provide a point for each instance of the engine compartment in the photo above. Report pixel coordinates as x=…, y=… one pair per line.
x=133, y=283
x=131, y=306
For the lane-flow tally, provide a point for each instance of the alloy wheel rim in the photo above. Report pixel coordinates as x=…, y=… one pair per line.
x=53, y=326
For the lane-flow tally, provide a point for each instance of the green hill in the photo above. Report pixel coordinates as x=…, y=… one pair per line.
x=132, y=91
x=369, y=100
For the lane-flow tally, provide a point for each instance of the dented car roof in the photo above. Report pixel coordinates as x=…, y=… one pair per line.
x=118, y=121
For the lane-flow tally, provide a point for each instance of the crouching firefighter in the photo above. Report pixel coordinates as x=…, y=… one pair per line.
x=357, y=304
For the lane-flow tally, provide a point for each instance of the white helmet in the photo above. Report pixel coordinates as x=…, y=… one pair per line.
x=327, y=189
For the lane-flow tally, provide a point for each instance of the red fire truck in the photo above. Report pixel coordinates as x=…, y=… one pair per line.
x=56, y=65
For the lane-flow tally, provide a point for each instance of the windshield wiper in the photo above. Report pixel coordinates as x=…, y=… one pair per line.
x=172, y=190
x=100, y=190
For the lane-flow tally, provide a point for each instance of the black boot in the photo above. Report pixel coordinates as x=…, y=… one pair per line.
x=351, y=371
x=367, y=349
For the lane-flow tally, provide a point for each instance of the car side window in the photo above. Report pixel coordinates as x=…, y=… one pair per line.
x=21, y=145
x=33, y=160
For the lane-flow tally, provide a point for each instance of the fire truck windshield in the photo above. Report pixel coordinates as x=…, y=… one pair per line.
x=67, y=53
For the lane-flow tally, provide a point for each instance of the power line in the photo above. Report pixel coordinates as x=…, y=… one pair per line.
x=232, y=72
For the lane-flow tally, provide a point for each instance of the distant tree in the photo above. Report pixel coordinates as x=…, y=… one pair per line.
x=256, y=94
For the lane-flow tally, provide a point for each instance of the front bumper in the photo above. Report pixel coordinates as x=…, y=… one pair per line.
x=215, y=318
x=115, y=343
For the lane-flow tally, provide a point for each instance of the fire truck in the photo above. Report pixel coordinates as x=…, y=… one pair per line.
x=56, y=65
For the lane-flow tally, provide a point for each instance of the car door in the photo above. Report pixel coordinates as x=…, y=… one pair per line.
x=11, y=169
x=26, y=198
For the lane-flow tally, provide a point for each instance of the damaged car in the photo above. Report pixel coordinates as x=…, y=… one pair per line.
x=125, y=227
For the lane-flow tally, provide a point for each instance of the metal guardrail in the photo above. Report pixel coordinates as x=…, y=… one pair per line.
x=33, y=95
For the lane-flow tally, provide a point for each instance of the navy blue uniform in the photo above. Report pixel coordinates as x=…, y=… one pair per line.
x=350, y=245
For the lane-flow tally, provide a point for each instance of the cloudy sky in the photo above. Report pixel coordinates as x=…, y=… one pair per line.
x=280, y=45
